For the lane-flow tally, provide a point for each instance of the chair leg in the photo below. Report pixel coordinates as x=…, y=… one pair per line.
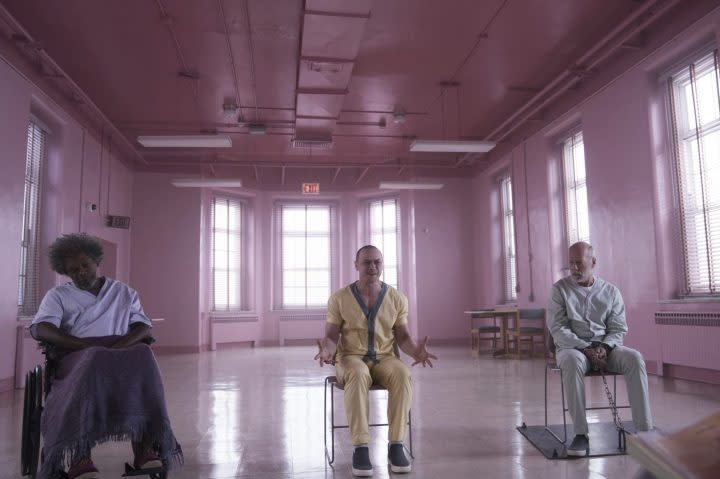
x=410, y=433
x=332, y=422
x=562, y=393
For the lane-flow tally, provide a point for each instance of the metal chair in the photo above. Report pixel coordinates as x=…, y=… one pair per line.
x=551, y=365
x=331, y=382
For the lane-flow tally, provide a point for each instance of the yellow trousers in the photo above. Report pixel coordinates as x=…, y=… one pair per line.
x=357, y=377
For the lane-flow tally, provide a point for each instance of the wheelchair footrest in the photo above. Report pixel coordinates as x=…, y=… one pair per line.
x=153, y=471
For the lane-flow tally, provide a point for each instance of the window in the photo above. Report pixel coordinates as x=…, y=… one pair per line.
x=226, y=258
x=576, y=206
x=695, y=114
x=306, y=254
x=29, y=254
x=508, y=238
x=384, y=230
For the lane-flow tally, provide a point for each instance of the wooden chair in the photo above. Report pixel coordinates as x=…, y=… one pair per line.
x=488, y=332
x=530, y=324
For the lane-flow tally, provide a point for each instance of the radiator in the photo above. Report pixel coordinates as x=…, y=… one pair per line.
x=300, y=326
x=303, y=317
x=689, y=338
x=680, y=318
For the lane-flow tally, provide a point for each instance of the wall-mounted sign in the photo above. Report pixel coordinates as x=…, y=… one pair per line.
x=117, y=221
x=310, y=188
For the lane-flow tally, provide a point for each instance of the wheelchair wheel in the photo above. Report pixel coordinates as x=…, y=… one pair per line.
x=32, y=410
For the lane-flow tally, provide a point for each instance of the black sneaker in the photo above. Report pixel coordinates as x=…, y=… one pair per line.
x=361, y=462
x=580, y=446
x=397, y=459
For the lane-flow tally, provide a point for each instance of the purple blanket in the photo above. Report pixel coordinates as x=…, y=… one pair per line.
x=101, y=394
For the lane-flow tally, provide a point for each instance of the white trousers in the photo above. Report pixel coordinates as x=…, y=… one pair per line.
x=574, y=364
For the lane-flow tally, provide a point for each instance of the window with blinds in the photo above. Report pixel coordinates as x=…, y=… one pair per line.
x=508, y=238
x=577, y=221
x=306, y=254
x=226, y=258
x=695, y=115
x=383, y=226
x=29, y=251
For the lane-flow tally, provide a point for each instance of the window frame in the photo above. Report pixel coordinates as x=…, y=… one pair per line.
x=333, y=236
x=28, y=294
x=569, y=139
x=398, y=226
x=682, y=134
x=508, y=240
x=244, y=290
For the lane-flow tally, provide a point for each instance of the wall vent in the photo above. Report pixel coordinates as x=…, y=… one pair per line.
x=684, y=318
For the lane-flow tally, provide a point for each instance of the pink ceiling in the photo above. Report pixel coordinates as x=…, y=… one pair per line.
x=334, y=68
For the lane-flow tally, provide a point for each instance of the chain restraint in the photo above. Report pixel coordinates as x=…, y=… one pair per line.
x=596, y=365
x=616, y=415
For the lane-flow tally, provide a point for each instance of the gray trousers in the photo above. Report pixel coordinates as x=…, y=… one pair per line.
x=574, y=364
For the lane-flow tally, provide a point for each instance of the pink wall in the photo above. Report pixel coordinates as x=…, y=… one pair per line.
x=81, y=167
x=629, y=195
x=169, y=231
x=165, y=261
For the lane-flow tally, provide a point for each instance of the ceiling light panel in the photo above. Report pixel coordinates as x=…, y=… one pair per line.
x=185, y=141
x=451, y=146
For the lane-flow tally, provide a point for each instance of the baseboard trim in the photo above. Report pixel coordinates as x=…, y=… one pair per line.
x=7, y=384
x=236, y=344
x=161, y=350
x=710, y=376
x=446, y=342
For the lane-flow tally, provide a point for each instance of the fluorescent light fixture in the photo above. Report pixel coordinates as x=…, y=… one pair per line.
x=452, y=146
x=206, y=182
x=185, y=141
x=407, y=185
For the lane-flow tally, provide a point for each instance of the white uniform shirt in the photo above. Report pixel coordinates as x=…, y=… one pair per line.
x=82, y=314
x=578, y=315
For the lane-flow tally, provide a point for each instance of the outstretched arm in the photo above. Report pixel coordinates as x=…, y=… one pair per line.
x=416, y=351
x=327, y=346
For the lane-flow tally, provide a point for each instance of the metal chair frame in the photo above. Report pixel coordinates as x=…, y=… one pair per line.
x=332, y=383
x=551, y=365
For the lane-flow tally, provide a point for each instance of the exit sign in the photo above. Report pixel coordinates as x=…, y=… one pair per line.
x=310, y=188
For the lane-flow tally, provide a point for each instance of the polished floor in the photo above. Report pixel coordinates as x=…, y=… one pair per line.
x=257, y=413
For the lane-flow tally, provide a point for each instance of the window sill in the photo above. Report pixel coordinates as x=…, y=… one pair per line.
x=691, y=300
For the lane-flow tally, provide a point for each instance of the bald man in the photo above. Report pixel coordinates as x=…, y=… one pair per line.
x=587, y=321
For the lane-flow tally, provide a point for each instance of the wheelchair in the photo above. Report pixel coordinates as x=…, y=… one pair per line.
x=37, y=386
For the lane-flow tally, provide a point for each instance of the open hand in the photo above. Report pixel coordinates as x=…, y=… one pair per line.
x=421, y=356
x=326, y=352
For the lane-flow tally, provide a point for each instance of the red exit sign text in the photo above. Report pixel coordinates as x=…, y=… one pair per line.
x=310, y=188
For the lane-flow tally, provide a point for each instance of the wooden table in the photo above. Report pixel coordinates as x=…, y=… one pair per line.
x=504, y=314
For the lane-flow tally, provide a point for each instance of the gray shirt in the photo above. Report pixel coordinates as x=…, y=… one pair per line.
x=577, y=315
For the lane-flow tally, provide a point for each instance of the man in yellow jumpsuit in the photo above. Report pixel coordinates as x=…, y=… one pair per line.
x=364, y=320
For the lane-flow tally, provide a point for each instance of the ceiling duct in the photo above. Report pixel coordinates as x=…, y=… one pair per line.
x=320, y=142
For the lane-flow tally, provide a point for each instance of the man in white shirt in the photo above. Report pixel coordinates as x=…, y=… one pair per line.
x=587, y=321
